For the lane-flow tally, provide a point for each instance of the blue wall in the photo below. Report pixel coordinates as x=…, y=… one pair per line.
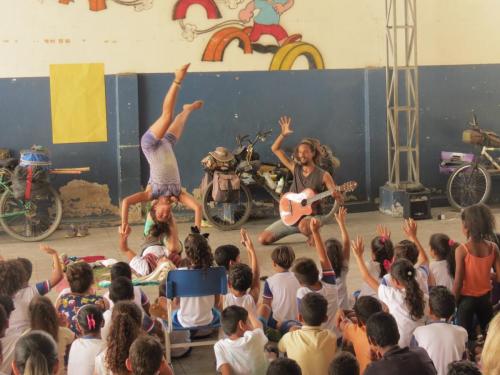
x=344, y=108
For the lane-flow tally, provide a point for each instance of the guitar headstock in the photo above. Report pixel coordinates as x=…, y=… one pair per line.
x=348, y=186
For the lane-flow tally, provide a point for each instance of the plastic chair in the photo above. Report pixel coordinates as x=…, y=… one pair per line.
x=192, y=283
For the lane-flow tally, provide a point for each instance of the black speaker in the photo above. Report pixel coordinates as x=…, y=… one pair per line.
x=418, y=206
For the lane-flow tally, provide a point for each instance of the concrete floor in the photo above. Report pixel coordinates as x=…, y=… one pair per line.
x=103, y=241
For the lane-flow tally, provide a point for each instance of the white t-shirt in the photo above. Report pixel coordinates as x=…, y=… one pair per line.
x=341, y=283
x=246, y=301
x=422, y=278
x=83, y=354
x=282, y=287
x=374, y=270
x=140, y=265
x=329, y=291
x=444, y=342
x=439, y=270
x=8, y=346
x=140, y=298
x=19, y=319
x=100, y=364
x=245, y=355
x=395, y=301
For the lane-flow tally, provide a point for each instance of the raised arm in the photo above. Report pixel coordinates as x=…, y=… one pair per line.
x=123, y=243
x=140, y=197
x=161, y=125
x=358, y=247
x=254, y=264
x=276, y=147
x=57, y=273
x=346, y=243
x=315, y=224
x=410, y=228
x=282, y=8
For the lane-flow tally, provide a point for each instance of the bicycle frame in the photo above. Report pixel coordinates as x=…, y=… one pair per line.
x=25, y=205
x=485, y=153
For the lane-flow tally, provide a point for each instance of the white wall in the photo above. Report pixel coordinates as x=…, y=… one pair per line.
x=348, y=33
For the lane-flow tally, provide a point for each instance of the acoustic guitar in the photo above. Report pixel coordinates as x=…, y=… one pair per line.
x=294, y=206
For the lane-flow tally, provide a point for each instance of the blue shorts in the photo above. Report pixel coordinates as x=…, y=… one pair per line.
x=177, y=326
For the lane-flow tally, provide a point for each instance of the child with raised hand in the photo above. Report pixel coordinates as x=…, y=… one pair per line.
x=81, y=281
x=339, y=255
x=312, y=346
x=307, y=274
x=164, y=186
x=279, y=299
x=242, y=352
x=85, y=349
x=382, y=252
x=442, y=269
x=444, y=342
x=403, y=297
x=19, y=320
x=43, y=317
x=243, y=281
x=354, y=330
x=474, y=261
x=413, y=251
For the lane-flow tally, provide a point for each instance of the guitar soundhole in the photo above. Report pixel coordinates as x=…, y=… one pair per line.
x=304, y=202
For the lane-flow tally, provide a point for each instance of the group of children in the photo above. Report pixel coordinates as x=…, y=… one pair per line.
x=405, y=318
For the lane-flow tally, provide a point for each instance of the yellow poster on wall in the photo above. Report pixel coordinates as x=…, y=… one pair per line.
x=78, y=103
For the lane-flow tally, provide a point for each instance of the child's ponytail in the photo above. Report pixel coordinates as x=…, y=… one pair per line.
x=36, y=354
x=383, y=251
x=403, y=271
x=444, y=247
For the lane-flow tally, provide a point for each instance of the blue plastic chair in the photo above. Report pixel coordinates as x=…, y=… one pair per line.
x=192, y=283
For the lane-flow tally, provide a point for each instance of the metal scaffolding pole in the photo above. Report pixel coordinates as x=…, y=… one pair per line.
x=402, y=94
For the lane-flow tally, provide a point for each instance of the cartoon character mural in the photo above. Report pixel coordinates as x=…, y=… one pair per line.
x=98, y=5
x=267, y=21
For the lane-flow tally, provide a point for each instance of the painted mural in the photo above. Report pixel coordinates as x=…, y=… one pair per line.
x=98, y=5
x=247, y=22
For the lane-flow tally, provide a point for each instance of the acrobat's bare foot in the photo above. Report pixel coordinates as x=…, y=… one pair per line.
x=193, y=106
x=181, y=73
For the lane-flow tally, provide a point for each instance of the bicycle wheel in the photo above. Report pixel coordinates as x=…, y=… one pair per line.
x=470, y=184
x=5, y=178
x=230, y=215
x=31, y=220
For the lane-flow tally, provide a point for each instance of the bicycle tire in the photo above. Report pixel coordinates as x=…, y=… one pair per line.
x=51, y=229
x=207, y=197
x=5, y=178
x=458, y=180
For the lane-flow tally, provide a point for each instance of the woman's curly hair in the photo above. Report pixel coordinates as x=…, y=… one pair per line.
x=12, y=277
x=198, y=250
x=125, y=327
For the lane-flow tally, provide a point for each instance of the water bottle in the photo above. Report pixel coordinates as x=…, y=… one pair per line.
x=281, y=185
x=269, y=181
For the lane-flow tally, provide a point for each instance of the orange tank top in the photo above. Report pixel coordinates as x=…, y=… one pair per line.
x=477, y=272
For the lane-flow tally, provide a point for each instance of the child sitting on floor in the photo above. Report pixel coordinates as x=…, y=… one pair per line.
x=243, y=281
x=307, y=274
x=242, y=352
x=227, y=255
x=85, y=349
x=404, y=298
x=444, y=342
x=311, y=346
x=19, y=319
x=81, y=281
x=355, y=331
x=442, y=269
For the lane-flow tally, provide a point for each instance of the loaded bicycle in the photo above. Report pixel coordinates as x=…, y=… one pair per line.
x=471, y=182
x=30, y=208
x=230, y=178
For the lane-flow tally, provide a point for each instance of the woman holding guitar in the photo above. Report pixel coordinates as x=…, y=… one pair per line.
x=306, y=175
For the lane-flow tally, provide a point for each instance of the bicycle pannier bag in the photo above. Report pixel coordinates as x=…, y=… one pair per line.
x=225, y=187
x=481, y=138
